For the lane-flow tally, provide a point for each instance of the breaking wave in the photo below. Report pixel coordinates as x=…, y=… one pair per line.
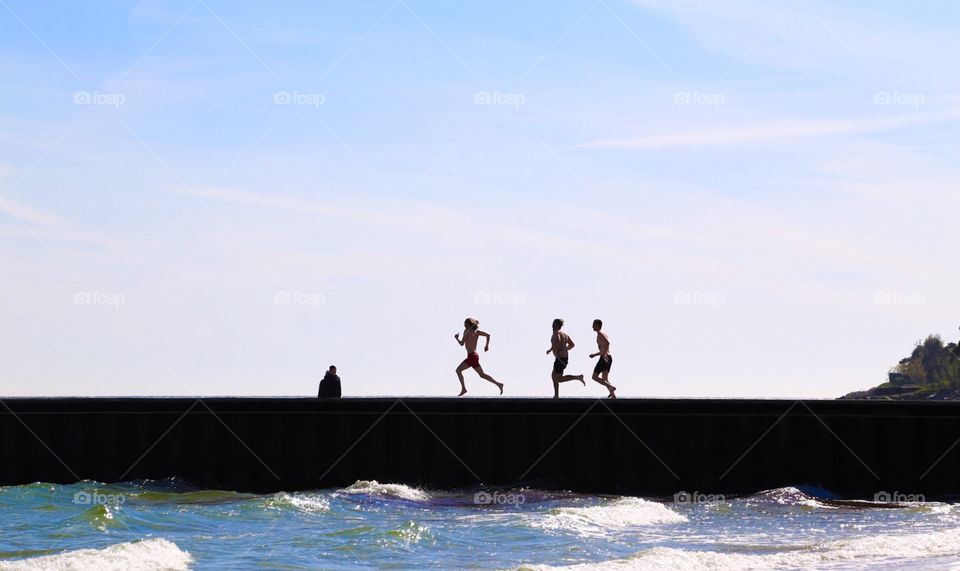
x=375, y=488
x=147, y=554
x=878, y=549
x=619, y=513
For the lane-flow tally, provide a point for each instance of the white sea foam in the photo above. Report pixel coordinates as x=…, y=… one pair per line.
x=880, y=549
x=310, y=503
x=791, y=497
x=147, y=554
x=620, y=513
x=374, y=487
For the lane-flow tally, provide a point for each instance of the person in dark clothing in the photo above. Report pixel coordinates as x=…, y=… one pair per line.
x=330, y=385
x=560, y=345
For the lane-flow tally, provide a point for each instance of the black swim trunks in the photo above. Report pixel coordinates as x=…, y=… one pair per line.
x=603, y=364
x=559, y=364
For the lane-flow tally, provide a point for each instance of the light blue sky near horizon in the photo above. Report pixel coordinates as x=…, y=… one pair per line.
x=206, y=197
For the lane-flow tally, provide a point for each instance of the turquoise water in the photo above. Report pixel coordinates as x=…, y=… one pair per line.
x=167, y=525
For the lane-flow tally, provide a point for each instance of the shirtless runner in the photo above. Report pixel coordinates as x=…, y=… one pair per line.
x=602, y=370
x=560, y=345
x=471, y=333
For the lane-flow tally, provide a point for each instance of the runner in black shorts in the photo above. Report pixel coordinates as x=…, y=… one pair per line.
x=560, y=345
x=603, y=366
x=602, y=370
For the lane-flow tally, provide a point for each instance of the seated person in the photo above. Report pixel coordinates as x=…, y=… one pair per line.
x=330, y=385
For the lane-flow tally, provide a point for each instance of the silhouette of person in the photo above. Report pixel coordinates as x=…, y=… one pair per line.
x=472, y=334
x=602, y=370
x=560, y=345
x=330, y=385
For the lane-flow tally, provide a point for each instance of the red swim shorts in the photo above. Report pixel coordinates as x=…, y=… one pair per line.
x=473, y=359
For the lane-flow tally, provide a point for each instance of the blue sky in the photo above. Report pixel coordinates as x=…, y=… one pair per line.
x=205, y=197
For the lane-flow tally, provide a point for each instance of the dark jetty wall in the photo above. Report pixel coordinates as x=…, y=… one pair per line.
x=653, y=448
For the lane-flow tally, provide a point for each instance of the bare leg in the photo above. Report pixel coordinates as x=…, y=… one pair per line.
x=557, y=379
x=487, y=377
x=611, y=388
x=602, y=379
x=463, y=367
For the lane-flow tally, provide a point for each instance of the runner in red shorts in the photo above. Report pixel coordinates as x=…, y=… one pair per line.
x=471, y=334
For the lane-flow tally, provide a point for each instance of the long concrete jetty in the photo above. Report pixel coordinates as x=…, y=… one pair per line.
x=653, y=448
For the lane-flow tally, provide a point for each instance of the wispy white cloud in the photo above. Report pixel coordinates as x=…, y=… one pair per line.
x=767, y=132
x=27, y=214
x=36, y=224
x=812, y=35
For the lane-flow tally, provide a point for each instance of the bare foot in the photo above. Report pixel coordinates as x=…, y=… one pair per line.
x=501, y=387
x=463, y=392
x=556, y=396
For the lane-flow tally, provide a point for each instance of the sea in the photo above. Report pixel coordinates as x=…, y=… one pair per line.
x=371, y=525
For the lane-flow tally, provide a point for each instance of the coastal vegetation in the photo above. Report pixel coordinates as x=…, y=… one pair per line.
x=930, y=372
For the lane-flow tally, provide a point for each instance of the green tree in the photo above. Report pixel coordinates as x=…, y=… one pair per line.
x=932, y=364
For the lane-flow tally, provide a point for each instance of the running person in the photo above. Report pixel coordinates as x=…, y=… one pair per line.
x=560, y=345
x=602, y=370
x=472, y=333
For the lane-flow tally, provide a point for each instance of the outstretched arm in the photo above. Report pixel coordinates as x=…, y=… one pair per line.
x=485, y=335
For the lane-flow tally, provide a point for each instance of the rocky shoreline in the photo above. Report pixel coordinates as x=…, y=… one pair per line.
x=879, y=393
x=931, y=372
